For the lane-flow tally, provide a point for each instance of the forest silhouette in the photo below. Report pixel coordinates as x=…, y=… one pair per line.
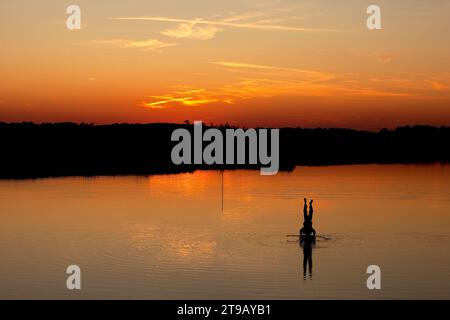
x=67, y=149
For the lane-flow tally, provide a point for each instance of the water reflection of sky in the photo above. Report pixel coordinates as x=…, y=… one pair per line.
x=166, y=236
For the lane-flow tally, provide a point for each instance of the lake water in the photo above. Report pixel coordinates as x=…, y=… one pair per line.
x=168, y=236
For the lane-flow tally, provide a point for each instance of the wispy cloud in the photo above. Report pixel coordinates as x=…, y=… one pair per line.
x=266, y=81
x=147, y=45
x=318, y=75
x=438, y=85
x=221, y=23
x=386, y=57
x=246, y=16
x=252, y=88
x=192, y=31
x=263, y=19
x=191, y=97
x=421, y=84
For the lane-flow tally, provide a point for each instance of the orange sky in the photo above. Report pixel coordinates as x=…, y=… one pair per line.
x=247, y=62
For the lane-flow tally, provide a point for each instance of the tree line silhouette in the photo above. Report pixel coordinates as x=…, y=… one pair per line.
x=67, y=149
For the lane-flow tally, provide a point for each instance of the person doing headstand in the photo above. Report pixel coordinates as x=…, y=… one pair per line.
x=307, y=223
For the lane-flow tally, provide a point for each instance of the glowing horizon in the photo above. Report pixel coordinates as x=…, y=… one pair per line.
x=250, y=63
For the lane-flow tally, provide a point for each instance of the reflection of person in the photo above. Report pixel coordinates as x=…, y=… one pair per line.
x=307, y=223
x=307, y=244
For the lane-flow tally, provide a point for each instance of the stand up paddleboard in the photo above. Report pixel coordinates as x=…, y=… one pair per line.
x=303, y=235
x=306, y=235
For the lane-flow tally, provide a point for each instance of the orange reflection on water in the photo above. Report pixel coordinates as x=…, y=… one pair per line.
x=168, y=235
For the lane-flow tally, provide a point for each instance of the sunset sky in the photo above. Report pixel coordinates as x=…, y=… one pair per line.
x=248, y=62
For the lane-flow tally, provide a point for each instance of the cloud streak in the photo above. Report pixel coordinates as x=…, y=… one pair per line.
x=219, y=23
x=386, y=57
x=146, y=45
x=193, y=98
x=192, y=31
x=319, y=75
x=266, y=81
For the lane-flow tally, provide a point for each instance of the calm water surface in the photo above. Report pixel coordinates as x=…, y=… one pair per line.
x=168, y=237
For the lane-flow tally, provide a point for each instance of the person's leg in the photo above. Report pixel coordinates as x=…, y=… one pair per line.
x=311, y=210
x=305, y=211
x=305, y=262
x=310, y=262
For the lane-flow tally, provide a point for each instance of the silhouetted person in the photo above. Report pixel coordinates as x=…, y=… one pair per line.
x=307, y=245
x=307, y=223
